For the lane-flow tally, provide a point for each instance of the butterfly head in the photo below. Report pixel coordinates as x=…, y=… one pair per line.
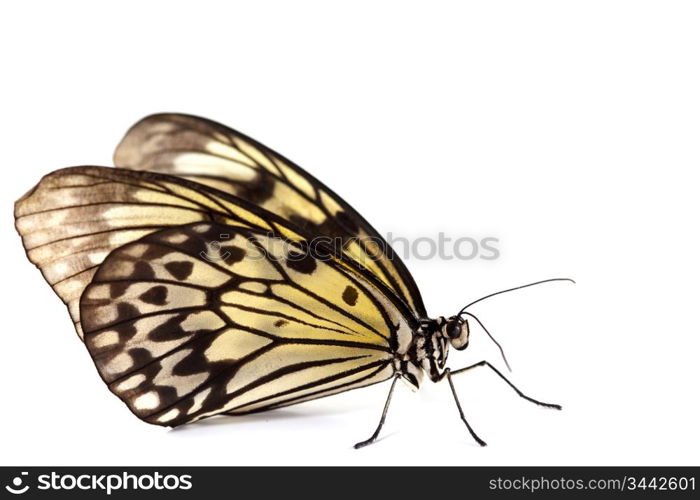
x=456, y=330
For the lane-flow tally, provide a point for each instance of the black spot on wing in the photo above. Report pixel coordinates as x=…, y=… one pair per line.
x=169, y=330
x=117, y=289
x=180, y=270
x=143, y=272
x=195, y=362
x=232, y=254
x=125, y=331
x=350, y=295
x=140, y=356
x=347, y=223
x=259, y=190
x=156, y=252
x=126, y=312
x=156, y=295
x=280, y=322
x=301, y=261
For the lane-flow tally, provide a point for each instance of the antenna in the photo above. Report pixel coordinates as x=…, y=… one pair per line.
x=512, y=289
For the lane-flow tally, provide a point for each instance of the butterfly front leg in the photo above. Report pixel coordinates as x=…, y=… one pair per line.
x=447, y=373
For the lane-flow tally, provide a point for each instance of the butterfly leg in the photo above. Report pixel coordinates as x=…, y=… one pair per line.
x=373, y=438
x=459, y=408
x=503, y=377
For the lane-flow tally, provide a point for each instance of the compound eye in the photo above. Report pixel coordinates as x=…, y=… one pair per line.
x=453, y=328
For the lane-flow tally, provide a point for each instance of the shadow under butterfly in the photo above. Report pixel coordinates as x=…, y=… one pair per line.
x=208, y=275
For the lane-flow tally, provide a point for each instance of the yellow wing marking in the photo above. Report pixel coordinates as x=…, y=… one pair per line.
x=179, y=333
x=212, y=154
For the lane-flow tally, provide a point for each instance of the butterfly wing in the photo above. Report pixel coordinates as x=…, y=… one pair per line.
x=202, y=319
x=212, y=154
x=76, y=216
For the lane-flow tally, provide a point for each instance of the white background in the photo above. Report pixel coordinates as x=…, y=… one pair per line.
x=569, y=130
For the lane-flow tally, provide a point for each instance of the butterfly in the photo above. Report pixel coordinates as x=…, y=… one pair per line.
x=206, y=274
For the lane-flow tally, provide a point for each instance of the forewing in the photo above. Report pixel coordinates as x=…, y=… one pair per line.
x=215, y=155
x=204, y=319
x=76, y=216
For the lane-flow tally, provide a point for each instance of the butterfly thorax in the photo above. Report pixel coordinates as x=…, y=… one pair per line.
x=430, y=347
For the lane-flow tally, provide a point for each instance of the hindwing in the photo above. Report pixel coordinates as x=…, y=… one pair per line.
x=204, y=318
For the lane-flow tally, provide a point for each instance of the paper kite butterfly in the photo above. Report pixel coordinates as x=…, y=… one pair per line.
x=205, y=277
